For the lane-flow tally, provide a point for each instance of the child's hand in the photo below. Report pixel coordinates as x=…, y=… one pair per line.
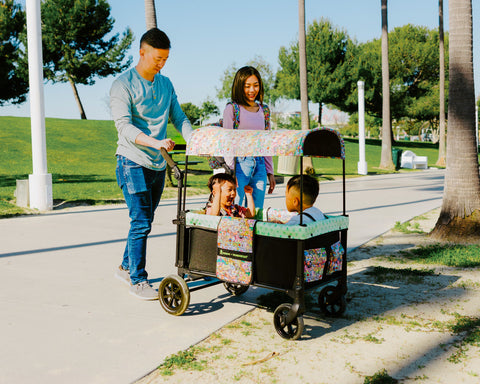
x=217, y=188
x=248, y=189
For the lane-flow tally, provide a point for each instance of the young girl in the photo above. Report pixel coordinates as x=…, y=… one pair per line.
x=222, y=198
x=247, y=93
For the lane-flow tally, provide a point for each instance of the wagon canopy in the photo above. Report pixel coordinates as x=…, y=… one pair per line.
x=215, y=141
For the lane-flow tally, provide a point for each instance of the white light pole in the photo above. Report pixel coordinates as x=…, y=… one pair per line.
x=40, y=182
x=362, y=164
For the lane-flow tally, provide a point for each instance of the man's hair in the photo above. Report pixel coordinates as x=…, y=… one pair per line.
x=238, y=92
x=155, y=38
x=310, y=187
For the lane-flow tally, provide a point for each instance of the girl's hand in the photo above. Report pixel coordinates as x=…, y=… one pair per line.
x=217, y=189
x=271, y=182
x=248, y=189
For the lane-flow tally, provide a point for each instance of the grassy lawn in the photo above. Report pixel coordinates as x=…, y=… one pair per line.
x=82, y=162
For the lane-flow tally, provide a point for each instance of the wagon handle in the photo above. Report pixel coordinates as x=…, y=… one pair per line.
x=176, y=171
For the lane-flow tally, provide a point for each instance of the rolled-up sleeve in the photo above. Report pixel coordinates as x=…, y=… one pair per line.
x=121, y=109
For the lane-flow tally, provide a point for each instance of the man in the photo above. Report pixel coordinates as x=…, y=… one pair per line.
x=142, y=101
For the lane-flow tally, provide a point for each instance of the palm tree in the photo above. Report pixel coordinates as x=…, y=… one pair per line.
x=441, y=118
x=386, y=158
x=460, y=213
x=150, y=14
x=302, y=52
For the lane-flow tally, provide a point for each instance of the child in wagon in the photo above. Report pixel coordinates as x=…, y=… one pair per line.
x=292, y=200
x=222, y=197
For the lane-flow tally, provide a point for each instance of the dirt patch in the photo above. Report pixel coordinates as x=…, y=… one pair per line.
x=403, y=321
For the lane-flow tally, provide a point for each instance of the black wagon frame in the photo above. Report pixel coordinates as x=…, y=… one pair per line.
x=278, y=263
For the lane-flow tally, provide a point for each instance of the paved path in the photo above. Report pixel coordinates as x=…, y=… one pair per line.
x=65, y=319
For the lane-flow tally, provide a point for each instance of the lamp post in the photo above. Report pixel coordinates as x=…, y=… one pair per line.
x=40, y=182
x=362, y=164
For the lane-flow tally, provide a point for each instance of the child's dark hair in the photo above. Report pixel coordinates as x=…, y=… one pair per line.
x=155, y=38
x=238, y=93
x=220, y=178
x=310, y=187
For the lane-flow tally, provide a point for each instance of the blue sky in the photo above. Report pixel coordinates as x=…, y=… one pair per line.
x=208, y=36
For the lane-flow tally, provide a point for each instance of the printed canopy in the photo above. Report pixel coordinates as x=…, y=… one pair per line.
x=215, y=141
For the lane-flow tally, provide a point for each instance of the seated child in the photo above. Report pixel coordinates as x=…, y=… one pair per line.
x=223, y=188
x=310, y=193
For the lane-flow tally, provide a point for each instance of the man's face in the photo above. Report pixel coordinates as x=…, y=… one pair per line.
x=153, y=58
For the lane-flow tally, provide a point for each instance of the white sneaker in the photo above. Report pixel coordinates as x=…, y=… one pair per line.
x=123, y=275
x=144, y=291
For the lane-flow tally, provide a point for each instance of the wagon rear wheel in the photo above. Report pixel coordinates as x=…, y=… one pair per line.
x=174, y=295
x=291, y=331
x=331, y=301
x=235, y=289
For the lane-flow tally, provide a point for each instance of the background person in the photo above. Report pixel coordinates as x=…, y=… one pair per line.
x=142, y=101
x=247, y=93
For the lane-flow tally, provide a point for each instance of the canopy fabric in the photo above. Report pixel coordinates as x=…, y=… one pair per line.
x=215, y=141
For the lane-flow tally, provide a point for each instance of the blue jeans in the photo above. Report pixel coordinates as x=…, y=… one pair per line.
x=251, y=171
x=142, y=189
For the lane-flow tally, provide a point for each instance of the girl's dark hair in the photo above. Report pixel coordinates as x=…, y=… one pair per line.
x=238, y=94
x=155, y=38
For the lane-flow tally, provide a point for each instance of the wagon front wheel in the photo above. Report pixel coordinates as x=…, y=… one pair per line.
x=174, y=295
x=235, y=289
x=331, y=301
x=291, y=331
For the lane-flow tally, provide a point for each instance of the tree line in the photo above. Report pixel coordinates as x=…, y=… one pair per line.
x=336, y=62
x=74, y=46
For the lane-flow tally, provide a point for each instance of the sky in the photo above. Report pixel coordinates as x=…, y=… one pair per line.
x=209, y=36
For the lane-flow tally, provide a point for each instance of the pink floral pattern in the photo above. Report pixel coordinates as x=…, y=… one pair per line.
x=215, y=141
x=314, y=264
x=235, y=249
x=337, y=258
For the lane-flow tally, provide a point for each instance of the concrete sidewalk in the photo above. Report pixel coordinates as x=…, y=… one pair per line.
x=65, y=318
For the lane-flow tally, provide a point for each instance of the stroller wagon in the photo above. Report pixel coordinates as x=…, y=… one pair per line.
x=243, y=252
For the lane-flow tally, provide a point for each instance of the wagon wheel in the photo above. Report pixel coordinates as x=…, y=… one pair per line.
x=235, y=289
x=291, y=331
x=331, y=301
x=174, y=295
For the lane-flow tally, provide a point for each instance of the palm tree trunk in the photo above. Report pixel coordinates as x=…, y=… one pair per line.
x=302, y=52
x=77, y=99
x=150, y=14
x=386, y=161
x=460, y=213
x=441, y=144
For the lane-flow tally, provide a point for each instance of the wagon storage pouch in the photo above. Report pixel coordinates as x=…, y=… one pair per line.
x=235, y=250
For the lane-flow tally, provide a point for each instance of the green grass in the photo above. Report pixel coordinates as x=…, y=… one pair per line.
x=380, y=377
x=452, y=255
x=185, y=360
x=408, y=227
x=81, y=159
x=412, y=276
